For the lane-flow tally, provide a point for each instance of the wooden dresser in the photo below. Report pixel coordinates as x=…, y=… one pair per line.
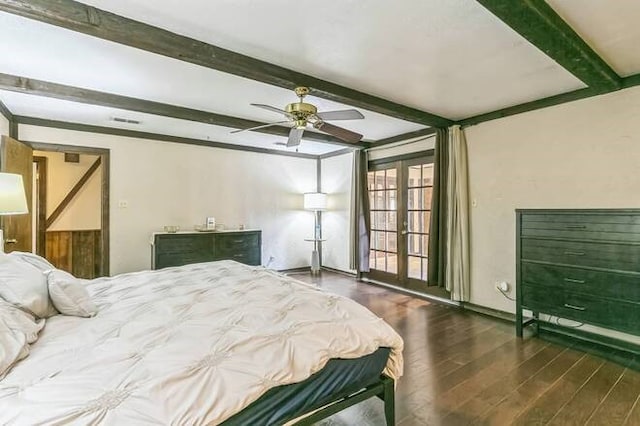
x=182, y=248
x=583, y=266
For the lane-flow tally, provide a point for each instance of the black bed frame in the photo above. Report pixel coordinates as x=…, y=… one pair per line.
x=383, y=389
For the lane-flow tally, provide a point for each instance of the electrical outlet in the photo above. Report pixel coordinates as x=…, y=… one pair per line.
x=123, y=204
x=502, y=286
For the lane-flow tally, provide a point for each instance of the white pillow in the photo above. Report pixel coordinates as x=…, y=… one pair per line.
x=17, y=330
x=25, y=286
x=33, y=259
x=69, y=295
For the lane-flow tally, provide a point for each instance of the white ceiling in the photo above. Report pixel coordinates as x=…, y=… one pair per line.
x=452, y=58
x=610, y=27
x=55, y=109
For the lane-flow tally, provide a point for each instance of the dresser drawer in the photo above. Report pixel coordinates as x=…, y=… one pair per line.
x=230, y=244
x=623, y=257
x=607, y=284
x=597, y=227
x=187, y=243
x=622, y=316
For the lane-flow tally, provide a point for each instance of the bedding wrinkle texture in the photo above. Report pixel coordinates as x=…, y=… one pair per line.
x=188, y=345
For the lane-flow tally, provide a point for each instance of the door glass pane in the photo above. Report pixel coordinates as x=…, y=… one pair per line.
x=413, y=244
x=415, y=173
x=415, y=269
x=426, y=221
x=392, y=179
x=372, y=259
x=426, y=197
x=381, y=219
x=414, y=200
x=379, y=179
x=379, y=200
x=380, y=241
x=424, y=268
x=391, y=200
x=425, y=244
x=392, y=263
x=392, y=242
x=427, y=174
x=370, y=180
x=392, y=221
x=414, y=221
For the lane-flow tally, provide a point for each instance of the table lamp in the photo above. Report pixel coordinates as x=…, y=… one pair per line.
x=317, y=202
x=13, y=199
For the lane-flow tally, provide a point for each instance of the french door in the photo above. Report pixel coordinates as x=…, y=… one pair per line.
x=400, y=209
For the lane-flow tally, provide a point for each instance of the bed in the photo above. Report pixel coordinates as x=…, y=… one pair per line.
x=210, y=343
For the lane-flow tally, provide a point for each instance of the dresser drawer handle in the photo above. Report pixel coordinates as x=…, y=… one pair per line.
x=576, y=226
x=238, y=255
x=573, y=280
x=574, y=307
x=238, y=241
x=574, y=253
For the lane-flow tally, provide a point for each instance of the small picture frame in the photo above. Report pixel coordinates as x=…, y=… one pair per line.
x=211, y=223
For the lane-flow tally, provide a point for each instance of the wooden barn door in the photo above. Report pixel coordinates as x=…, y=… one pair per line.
x=16, y=157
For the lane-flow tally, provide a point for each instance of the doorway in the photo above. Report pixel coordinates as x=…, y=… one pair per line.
x=400, y=191
x=71, y=208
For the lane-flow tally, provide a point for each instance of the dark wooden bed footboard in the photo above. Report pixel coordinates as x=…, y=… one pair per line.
x=383, y=389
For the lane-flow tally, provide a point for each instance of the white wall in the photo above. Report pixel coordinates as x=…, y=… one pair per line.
x=336, y=180
x=84, y=211
x=4, y=126
x=583, y=154
x=167, y=183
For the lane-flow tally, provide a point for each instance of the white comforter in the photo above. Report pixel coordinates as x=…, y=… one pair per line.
x=189, y=345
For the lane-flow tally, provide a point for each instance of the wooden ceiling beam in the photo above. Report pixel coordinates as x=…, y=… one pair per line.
x=85, y=19
x=78, y=127
x=627, y=82
x=403, y=137
x=86, y=96
x=537, y=22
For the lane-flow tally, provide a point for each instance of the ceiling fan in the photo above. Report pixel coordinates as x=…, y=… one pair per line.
x=300, y=114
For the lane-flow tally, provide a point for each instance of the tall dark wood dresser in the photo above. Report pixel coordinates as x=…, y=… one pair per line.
x=182, y=248
x=576, y=268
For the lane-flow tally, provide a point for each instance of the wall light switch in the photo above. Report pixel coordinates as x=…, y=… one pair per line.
x=123, y=204
x=474, y=203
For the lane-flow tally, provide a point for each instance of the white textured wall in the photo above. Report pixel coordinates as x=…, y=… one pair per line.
x=583, y=154
x=336, y=182
x=4, y=126
x=84, y=210
x=167, y=183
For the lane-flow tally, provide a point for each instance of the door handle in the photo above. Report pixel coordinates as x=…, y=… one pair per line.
x=404, y=232
x=574, y=307
x=573, y=280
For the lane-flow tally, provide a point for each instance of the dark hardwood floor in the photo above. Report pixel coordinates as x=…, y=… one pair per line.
x=463, y=368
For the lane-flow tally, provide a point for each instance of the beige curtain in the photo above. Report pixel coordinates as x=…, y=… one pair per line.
x=457, y=236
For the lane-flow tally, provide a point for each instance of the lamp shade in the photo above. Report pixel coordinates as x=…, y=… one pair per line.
x=12, y=197
x=315, y=201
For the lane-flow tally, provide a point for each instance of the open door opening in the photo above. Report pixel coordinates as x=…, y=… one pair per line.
x=16, y=157
x=71, y=203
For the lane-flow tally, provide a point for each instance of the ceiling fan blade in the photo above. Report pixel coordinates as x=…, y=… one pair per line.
x=259, y=127
x=270, y=108
x=338, y=132
x=295, y=136
x=346, y=114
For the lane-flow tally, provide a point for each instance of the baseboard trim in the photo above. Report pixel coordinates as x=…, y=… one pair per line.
x=410, y=292
x=495, y=313
x=302, y=270
x=339, y=271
